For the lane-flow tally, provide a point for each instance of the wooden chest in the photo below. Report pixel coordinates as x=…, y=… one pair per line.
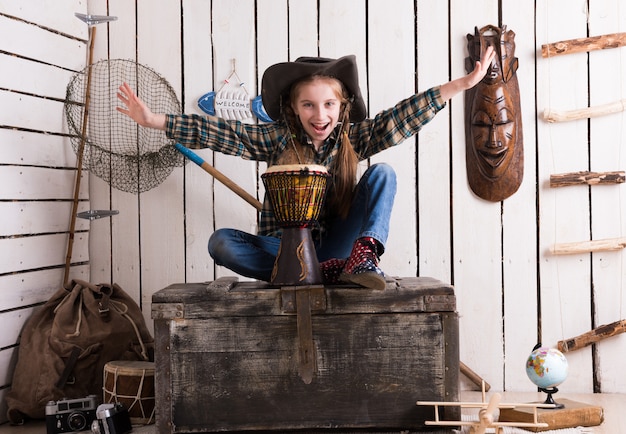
x=239, y=356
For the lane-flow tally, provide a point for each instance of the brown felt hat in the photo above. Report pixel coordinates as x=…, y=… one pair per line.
x=278, y=79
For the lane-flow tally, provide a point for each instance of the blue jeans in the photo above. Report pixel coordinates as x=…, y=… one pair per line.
x=254, y=255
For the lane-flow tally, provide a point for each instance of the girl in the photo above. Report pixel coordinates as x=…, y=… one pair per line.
x=319, y=118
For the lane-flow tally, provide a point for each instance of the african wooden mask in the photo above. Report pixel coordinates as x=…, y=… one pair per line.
x=494, y=150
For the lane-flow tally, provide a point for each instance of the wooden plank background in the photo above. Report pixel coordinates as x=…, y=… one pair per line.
x=511, y=291
x=41, y=46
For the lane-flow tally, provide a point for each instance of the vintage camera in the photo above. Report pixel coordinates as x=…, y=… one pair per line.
x=111, y=419
x=70, y=415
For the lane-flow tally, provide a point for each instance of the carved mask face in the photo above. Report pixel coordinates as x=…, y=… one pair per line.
x=493, y=122
x=493, y=132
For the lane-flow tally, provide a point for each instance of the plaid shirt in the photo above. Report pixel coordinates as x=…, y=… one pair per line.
x=265, y=142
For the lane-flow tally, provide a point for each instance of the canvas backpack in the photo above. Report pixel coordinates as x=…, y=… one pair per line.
x=66, y=343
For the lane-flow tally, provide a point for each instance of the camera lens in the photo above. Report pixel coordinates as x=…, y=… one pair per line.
x=77, y=421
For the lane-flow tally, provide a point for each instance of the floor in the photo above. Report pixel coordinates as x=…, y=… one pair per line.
x=614, y=406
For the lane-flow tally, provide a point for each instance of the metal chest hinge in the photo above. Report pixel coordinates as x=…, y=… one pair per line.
x=168, y=311
x=317, y=297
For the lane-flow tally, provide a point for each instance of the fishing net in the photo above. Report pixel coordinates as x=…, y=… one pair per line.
x=128, y=157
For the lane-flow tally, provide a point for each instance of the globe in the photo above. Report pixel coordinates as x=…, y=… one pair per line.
x=546, y=367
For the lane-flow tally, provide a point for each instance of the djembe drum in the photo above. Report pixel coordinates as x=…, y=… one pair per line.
x=131, y=383
x=296, y=193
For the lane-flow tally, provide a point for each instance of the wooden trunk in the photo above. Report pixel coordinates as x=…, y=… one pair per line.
x=239, y=356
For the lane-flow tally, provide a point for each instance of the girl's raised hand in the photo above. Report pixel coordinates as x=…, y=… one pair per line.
x=137, y=110
x=451, y=88
x=480, y=68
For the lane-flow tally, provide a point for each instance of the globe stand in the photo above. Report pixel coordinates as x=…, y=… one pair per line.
x=550, y=400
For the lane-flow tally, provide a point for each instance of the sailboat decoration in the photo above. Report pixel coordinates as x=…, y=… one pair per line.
x=232, y=101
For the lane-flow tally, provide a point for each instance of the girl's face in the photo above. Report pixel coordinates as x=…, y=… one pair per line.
x=317, y=103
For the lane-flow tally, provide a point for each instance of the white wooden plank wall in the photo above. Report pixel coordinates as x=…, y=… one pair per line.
x=511, y=291
x=608, y=205
x=579, y=292
x=564, y=212
x=41, y=45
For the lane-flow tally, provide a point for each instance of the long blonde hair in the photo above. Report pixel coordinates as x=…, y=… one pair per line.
x=345, y=164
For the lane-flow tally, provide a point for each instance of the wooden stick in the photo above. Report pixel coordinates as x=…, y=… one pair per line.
x=80, y=153
x=589, y=178
x=595, y=335
x=608, y=244
x=571, y=46
x=473, y=376
x=219, y=176
x=550, y=115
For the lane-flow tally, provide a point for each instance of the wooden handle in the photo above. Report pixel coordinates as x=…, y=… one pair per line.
x=219, y=176
x=592, y=336
x=473, y=376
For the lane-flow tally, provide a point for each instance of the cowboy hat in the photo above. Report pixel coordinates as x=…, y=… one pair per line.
x=278, y=79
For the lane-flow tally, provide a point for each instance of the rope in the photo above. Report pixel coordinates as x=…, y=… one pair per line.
x=79, y=319
x=123, y=312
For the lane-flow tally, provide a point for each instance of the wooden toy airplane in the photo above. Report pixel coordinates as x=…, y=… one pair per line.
x=486, y=414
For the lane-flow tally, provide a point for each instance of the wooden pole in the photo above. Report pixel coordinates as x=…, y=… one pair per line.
x=579, y=45
x=587, y=178
x=550, y=115
x=608, y=244
x=80, y=153
x=473, y=376
x=593, y=336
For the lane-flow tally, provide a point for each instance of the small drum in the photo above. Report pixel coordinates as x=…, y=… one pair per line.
x=296, y=193
x=131, y=383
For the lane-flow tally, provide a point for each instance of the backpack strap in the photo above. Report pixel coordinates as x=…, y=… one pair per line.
x=69, y=367
x=104, y=301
